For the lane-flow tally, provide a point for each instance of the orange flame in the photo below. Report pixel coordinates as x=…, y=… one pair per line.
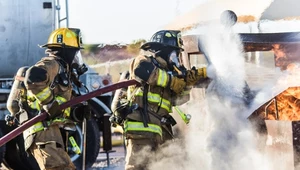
x=288, y=105
x=286, y=54
x=288, y=102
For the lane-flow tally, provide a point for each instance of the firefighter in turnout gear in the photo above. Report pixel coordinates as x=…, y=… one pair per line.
x=48, y=85
x=164, y=83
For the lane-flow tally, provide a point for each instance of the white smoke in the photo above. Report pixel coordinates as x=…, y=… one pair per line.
x=219, y=135
x=231, y=142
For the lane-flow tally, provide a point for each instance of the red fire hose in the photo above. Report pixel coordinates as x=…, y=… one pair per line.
x=14, y=133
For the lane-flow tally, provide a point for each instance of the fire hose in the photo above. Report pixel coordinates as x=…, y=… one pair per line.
x=19, y=130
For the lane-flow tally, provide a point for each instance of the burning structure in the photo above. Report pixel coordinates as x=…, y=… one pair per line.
x=275, y=113
x=271, y=44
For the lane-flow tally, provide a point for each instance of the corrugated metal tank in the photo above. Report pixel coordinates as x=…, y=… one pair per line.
x=23, y=25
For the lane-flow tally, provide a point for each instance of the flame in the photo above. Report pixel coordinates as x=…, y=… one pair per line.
x=286, y=54
x=288, y=105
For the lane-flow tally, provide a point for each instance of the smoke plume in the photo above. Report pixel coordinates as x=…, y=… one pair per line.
x=219, y=135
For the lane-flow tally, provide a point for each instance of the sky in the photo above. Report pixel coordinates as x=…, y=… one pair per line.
x=112, y=21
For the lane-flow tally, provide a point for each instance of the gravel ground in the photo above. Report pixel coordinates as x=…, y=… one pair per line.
x=116, y=160
x=115, y=164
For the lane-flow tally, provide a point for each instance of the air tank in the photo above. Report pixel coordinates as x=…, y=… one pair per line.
x=120, y=92
x=15, y=93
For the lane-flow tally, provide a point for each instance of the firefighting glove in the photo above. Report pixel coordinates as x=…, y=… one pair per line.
x=121, y=112
x=122, y=109
x=177, y=85
x=10, y=120
x=52, y=109
x=116, y=120
x=194, y=75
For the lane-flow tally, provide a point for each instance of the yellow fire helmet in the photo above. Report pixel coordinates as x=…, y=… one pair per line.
x=65, y=38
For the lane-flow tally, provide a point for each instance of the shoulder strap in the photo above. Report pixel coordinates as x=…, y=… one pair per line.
x=62, y=77
x=144, y=112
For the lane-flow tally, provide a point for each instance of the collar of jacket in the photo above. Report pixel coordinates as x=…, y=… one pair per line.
x=64, y=64
x=61, y=62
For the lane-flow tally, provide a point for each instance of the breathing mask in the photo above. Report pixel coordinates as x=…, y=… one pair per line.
x=174, y=59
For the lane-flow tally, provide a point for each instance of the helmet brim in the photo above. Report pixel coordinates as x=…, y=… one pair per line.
x=156, y=46
x=57, y=45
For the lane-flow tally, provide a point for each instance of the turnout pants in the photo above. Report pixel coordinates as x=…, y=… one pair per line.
x=138, y=153
x=48, y=150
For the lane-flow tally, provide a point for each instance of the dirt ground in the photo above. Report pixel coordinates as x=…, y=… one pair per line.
x=116, y=160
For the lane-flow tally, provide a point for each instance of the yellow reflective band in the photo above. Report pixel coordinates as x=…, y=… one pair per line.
x=162, y=78
x=60, y=101
x=39, y=126
x=44, y=94
x=67, y=112
x=34, y=105
x=155, y=98
x=166, y=105
x=33, y=129
x=30, y=97
x=139, y=126
x=57, y=120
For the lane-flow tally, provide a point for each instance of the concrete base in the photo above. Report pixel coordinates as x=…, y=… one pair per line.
x=282, y=144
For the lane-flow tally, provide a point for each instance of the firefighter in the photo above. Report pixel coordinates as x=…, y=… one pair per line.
x=48, y=85
x=164, y=83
